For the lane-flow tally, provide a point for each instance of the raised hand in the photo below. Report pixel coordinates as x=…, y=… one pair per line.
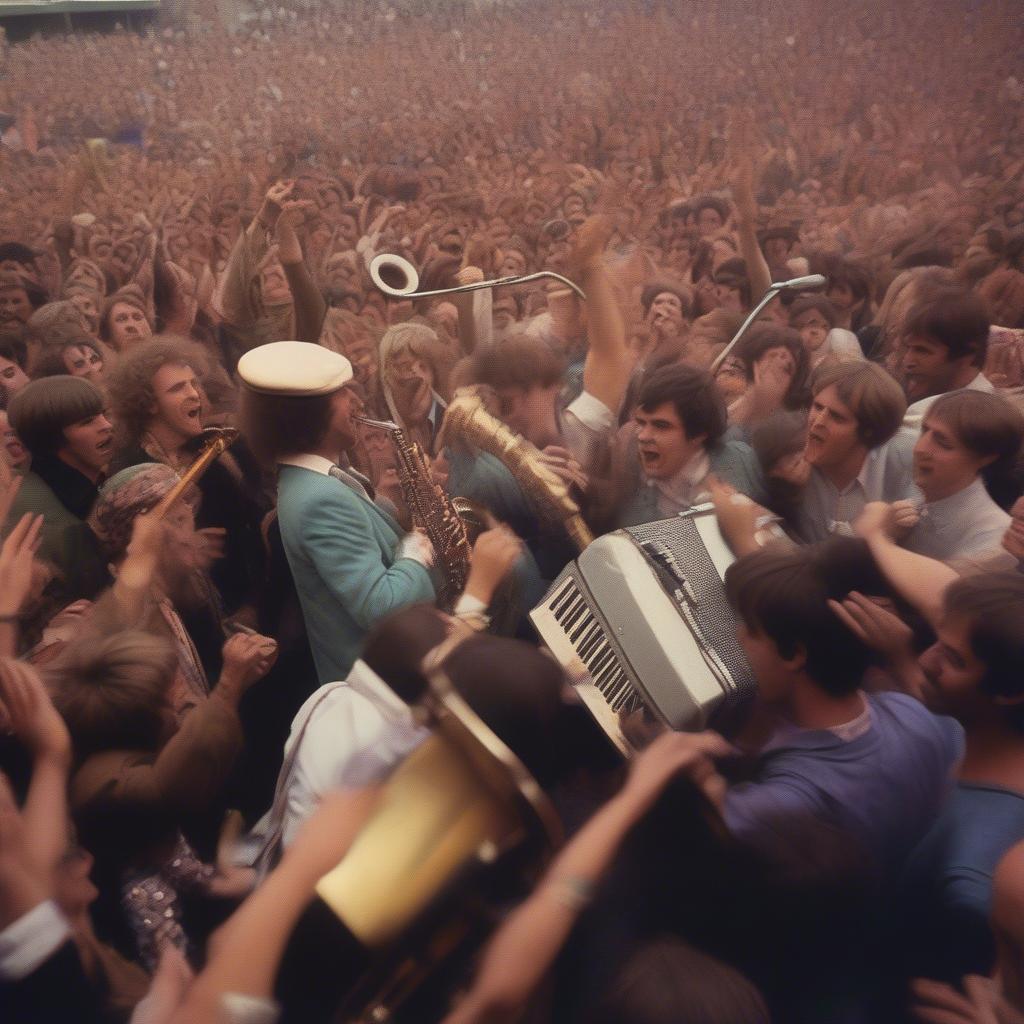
x=494, y=554
x=882, y=630
x=981, y=1003
x=737, y=516
x=16, y=563
x=1013, y=539
x=289, y=249
x=671, y=754
x=273, y=203
x=563, y=464
x=27, y=711
x=589, y=243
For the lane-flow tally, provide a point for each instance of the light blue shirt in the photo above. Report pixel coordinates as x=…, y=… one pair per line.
x=964, y=525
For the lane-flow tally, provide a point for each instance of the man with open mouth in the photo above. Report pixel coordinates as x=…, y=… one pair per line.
x=62, y=422
x=850, y=449
x=943, y=349
x=680, y=420
x=160, y=405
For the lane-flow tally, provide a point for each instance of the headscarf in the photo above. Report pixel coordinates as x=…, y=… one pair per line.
x=125, y=496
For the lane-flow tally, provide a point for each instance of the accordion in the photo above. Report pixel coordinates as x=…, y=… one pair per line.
x=640, y=621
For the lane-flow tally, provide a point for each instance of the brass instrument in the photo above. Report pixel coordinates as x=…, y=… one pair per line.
x=216, y=441
x=431, y=509
x=397, y=277
x=467, y=418
x=455, y=808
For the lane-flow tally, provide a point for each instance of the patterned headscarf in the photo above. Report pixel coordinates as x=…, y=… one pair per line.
x=124, y=496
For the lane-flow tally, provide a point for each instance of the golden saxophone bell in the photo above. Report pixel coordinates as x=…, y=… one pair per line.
x=397, y=277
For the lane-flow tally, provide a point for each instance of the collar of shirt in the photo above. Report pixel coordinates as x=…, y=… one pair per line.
x=316, y=463
x=942, y=513
x=914, y=415
x=75, y=491
x=365, y=681
x=686, y=485
x=787, y=735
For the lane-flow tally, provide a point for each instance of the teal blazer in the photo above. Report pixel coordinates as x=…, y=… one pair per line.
x=341, y=550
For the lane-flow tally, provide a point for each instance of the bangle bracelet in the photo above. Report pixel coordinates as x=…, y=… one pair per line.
x=475, y=620
x=10, y=618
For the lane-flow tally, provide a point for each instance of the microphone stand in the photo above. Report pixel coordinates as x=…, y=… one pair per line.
x=811, y=281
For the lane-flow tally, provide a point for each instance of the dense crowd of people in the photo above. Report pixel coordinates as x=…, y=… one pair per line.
x=226, y=633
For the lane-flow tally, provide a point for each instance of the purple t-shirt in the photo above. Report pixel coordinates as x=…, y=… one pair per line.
x=883, y=787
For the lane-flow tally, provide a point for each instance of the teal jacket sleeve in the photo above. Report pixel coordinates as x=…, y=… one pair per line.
x=343, y=543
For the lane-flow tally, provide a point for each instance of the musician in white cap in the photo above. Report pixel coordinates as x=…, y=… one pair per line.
x=349, y=559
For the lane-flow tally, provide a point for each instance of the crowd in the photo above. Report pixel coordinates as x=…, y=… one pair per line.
x=222, y=622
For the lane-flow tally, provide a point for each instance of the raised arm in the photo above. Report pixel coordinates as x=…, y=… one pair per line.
x=307, y=302
x=29, y=714
x=234, y=299
x=746, y=227
x=608, y=365
x=247, y=950
x=527, y=943
x=921, y=580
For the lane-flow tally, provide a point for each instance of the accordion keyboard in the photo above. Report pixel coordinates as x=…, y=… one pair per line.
x=640, y=621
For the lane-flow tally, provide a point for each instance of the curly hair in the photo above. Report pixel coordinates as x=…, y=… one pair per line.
x=130, y=384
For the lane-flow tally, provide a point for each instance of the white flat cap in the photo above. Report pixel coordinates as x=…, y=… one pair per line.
x=294, y=368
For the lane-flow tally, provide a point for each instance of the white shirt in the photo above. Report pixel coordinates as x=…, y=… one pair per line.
x=27, y=943
x=914, y=416
x=356, y=732
x=685, y=489
x=587, y=425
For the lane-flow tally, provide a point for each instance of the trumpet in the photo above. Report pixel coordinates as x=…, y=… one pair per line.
x=397, y=277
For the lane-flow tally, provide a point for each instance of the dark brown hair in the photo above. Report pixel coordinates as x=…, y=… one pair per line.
x=692, y=393
x=50, y=362
x=993, y=605
x=279, y=425
x=784, y=595
x=653, y=290
x=955, y=318
x=41, y=411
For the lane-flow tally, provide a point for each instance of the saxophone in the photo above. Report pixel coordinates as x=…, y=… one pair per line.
x=431, y=509
x=467, y=418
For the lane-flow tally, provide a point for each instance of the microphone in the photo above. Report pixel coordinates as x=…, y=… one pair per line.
x=810, y=281
x=795, y=283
